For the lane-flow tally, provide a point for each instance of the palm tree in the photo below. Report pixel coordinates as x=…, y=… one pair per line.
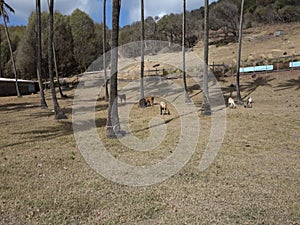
x=39, y=53
x=238, y=90
x=206, y=110
x=187, y=98
x=104, y=50
x=5, y=18
x=0, y=56
x=59, y=114
x=142, y=50
x=112, y=123
x=62, y=95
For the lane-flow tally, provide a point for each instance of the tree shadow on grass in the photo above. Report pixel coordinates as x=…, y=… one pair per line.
x=60, y=129
x=17, y=106
x=289, y=84
x=249, y=87
x=156, y=125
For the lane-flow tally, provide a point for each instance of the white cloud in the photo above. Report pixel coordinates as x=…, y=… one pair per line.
x=130, y=8
x=23, y=8
x=157, y=7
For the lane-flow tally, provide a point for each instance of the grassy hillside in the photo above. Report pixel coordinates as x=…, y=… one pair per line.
x=259, y=44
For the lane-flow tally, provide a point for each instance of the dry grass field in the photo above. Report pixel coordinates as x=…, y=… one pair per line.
x=253, y=180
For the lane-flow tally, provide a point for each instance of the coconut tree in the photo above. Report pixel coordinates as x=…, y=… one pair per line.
x=39, y=53
x=5, y=18
x=238, y=91
x=142, y=50
x=59, y=114
x=187, y=98
x=62, y=95
x=104, y=50
x=0, y=56
x=112, y=123
x=206, y=109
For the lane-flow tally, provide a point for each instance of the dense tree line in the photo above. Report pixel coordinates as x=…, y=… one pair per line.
x=224, y=14
x=78, y=40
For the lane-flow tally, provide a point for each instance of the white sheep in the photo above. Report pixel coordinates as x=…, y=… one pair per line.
x=231, y=103
x=249, y=102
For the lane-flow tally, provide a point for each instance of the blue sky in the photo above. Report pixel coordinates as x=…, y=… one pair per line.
x=130, y=11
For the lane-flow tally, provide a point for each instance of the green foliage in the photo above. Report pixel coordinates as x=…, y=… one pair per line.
x=26, y=57
x=225, y=16
x=82, y=40
x=63, y=43
x=83, y=32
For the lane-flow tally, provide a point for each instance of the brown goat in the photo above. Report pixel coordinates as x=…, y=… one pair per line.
x=122, y=98
x=150, y=100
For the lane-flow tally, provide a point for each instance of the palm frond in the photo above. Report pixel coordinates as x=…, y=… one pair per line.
x=9, y=7
x=3, y=11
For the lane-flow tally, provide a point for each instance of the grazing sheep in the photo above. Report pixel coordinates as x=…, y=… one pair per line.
x=164, y=108
x=122, y=98
x=150, y=100
x=231, y=103
x=249, y=102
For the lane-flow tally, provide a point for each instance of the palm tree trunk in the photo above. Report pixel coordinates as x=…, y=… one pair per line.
x=187, y=97
x=11, y=55
x=62, y=95
x=112, y=123
x=0, y=56
x=206, y=110
x=238, y=91
x=59, y=114
x=142, y=50
x=39, y=54
x=104, y=51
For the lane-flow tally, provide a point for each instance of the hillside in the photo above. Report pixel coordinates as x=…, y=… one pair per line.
x=259, y=44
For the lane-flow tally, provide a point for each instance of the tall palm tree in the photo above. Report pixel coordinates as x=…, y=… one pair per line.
x=5, y=18
x=0, y=56
x=238, y=91
x=59, y=114
x=39, y=53
x=112, y=123
x=104, y=50
x=142, y=50
x=206, y=109
x=187, y=98
x=62, y=95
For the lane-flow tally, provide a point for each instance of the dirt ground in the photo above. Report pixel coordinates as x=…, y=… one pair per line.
x=253, y=180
